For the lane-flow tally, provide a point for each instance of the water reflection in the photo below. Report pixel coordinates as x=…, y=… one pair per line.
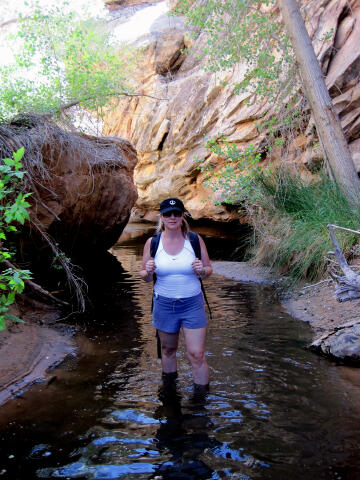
x=274, y=410
x=182, y=437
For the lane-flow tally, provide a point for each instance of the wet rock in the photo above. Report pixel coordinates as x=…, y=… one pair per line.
x=343, y=343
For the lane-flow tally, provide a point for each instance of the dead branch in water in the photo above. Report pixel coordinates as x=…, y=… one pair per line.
x=349, y=284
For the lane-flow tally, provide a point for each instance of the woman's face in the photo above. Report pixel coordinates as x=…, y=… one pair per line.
x=172, y=219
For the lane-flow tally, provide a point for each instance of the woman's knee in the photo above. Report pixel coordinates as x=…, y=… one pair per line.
x=168, y=351
x=196, y=356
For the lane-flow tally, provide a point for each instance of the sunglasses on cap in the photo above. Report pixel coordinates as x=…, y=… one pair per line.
x=176, y=213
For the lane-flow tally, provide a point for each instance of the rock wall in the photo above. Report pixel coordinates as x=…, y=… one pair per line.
x=187, y=103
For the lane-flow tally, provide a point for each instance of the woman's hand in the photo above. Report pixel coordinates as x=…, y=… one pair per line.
x=150, y=266
x=199, y=268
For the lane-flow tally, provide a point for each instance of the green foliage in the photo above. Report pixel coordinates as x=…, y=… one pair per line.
x=61, y=59
x=291, y=218
x=236, y=180
x=247, y=31
x=289, y=215
x=13, y=208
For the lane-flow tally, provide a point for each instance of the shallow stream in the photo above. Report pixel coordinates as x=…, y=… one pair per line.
x=274, y=410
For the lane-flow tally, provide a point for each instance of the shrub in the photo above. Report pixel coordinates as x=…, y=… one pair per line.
x=290, y=220
x=13, y=209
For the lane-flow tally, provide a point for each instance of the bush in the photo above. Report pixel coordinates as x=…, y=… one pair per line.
x=290, y=220
x=62, y=59
x=13, y=209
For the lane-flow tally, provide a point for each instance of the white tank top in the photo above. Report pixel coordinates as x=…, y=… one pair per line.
x=175, y=277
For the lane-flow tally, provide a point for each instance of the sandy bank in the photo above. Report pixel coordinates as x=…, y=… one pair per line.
x=244, y=272
x=27, y=353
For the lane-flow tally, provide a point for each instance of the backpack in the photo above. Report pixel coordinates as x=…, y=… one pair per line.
x=195, y=243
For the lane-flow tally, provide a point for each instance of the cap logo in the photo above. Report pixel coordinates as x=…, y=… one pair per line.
x=172, y=202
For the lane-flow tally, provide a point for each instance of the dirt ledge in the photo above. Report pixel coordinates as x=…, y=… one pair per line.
x=27, y=353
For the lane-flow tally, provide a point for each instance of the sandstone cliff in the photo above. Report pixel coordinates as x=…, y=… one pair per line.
x=168, y=131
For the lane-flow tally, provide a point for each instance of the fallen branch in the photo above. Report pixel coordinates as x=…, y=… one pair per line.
x=349, y=284
x=343, y=228
x=316, y=284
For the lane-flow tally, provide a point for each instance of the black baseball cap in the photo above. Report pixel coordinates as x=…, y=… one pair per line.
x=171, y=204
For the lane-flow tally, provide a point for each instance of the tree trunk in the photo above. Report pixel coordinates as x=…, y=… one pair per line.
x=326, y=119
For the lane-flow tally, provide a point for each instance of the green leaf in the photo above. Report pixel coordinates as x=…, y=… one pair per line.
x=18, y=155
x=13, y=318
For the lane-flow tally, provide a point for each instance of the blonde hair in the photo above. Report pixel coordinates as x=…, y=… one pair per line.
x=185, y=228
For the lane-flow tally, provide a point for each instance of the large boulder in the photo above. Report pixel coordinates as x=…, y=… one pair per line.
x=82, y=186
x=188, y=104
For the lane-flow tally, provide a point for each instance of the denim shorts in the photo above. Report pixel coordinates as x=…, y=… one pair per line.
x=170, y=314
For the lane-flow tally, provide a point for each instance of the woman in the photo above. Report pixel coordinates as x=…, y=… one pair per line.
x=178, y=300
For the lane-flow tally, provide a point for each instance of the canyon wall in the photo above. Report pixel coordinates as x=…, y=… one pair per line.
x=185, y=104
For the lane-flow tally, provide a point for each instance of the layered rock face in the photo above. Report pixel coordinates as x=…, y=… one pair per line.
x=188, y=103
x=83, y=189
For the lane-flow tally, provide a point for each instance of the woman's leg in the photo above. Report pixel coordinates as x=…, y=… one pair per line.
x=195, y=350
x=169, y=345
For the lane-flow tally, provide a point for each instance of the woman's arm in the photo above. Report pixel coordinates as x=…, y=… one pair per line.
x=147, y=264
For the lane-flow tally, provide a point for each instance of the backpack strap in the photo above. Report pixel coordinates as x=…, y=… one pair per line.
x=155, y=240
x=193, y=238
x=195, y=243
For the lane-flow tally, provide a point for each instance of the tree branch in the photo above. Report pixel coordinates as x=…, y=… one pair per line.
x=35, y=287
x=74, y=103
